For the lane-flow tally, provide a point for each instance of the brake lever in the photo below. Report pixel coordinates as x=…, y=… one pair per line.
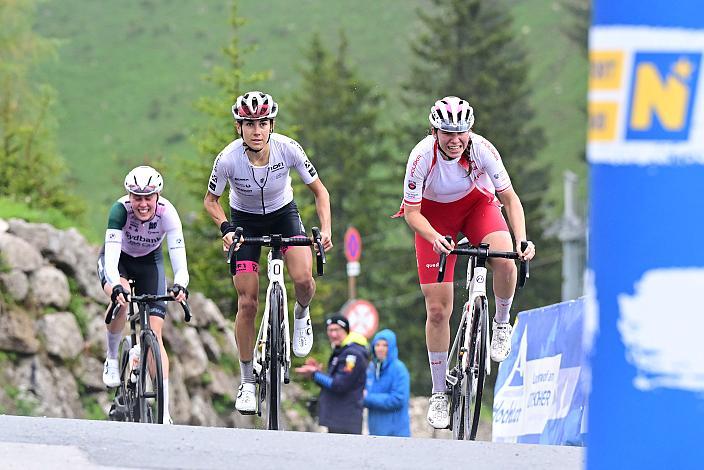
x=443, y=260
x=320, y=255
x=524, y=269
x=235, y=238
x=186, y=310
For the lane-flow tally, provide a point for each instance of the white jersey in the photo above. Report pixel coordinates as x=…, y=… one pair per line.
x=260, y=189
x=430, y=176
x=126, y=233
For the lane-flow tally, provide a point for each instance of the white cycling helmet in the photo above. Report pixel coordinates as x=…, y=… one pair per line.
x=144, y=180
x=451, y=114
x=255, y=105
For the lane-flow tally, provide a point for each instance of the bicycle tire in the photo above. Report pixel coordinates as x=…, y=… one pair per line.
x=456, y=398
x=473, y=383
x=151, y=380
x=275, y=348
x=124, y=397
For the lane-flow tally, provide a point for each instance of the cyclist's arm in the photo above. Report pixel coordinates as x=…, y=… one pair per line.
x=422, y=227
x=322, y=207
x=113, y=243
x=176, y=244
x=516, y=217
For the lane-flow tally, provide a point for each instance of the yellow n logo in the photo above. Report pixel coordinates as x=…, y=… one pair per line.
x=661, y=95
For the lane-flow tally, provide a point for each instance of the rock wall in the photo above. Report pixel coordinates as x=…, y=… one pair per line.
x=52, y=338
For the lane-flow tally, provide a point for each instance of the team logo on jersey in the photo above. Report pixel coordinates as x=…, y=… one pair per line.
x=152, y=225
x=278, y=166
x=213, y=182
x=309, y=166
x=411, y=185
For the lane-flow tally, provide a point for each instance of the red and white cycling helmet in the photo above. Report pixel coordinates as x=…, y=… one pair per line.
x=451, y=114
x=255, y=105
x=144, y=180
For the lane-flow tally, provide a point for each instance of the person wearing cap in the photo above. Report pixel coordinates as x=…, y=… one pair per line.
x=340, y=405
x=138, y=223
x=388, y=389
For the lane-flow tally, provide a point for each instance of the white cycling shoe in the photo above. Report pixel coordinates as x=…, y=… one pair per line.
x=111, y=373
x=246, y=402
x=438, y=411
x=302, y=335
x=500, y=341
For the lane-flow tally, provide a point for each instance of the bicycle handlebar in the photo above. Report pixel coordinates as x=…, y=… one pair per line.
x=483, y=252
x=115, y=307
x=279, y=241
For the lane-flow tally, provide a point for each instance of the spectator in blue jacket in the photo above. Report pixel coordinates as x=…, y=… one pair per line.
x=388, y=388
x=341, y=388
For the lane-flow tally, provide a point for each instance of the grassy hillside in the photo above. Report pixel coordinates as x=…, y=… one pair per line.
x=129, y=72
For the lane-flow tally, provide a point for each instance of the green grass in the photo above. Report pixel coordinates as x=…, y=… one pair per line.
x=12, y=208
x=128, y=74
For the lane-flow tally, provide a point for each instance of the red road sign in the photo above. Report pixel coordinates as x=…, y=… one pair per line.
x=353, y=244
x=362, y=316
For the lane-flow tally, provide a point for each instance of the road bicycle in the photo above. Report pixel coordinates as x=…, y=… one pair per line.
x=467, y=364
x=272, y=349
x=140, y=396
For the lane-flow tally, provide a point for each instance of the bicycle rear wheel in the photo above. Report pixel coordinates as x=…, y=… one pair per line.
x=473, y=382
x=151, y=380
x=276, y=351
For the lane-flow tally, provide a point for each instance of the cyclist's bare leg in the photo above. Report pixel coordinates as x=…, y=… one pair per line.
x=299, y=264
x=438, y=305
x=247, y=286
x=504, y=270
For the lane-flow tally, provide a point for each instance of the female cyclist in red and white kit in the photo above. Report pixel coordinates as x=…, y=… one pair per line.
x=456, y=182
x=256, y=166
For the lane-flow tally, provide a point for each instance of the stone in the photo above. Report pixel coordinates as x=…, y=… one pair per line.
x=16, y=284
x=210, y=344
x=18, y=332
x=18, y=254
x=61, y=334
x=48, y=286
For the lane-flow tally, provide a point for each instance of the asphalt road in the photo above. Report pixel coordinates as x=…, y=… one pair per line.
x=47, y=443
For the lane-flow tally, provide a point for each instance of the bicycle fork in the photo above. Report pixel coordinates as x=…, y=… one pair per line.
x=477, y=289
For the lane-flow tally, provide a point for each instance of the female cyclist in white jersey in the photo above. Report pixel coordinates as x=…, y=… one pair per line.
x=256, y=166
x=137, y=225
x=453, y=178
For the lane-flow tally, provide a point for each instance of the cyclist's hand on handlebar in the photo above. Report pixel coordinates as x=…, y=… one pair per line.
x=441, y=245
x=179, y=292
x=119, y=294
x=227, y=240
x=326, y=240
x=528, y=253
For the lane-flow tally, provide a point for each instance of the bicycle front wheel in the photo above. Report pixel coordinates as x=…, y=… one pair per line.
x=473, y=381
x=276, y=351
x=151, y=380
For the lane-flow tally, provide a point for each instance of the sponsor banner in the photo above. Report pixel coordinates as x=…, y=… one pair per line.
x=542, y=387
x=645, y=96
x=646, y=263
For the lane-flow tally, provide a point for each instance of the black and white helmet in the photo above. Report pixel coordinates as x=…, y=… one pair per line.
x=451, y=114
x=144, y=180
x=255, y=105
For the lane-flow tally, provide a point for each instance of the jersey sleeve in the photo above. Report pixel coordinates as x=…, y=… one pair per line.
x=113, y=242
x=416, y=172
x=176, y=244
x=218, y=176
x=494, y=167
x=296, y=158
x=117, y=217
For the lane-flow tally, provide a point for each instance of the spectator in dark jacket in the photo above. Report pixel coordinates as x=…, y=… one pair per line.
x=388, y=389
x=342, y=387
